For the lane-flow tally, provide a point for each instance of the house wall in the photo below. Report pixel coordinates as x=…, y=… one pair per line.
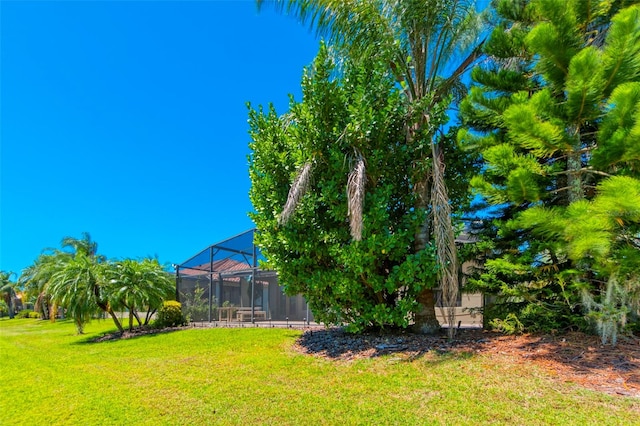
x=467, y=313
x=467, y=318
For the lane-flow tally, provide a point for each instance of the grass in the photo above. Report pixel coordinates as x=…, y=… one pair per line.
x=50, y=375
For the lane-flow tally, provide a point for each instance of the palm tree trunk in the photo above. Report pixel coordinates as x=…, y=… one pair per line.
x=115, y=319
x=425, y=319
x=42, y=306
x=137, y=317
x=149, y=315
x=11, y=309
x=445, y=239
x=106, y=307
x=53, y=312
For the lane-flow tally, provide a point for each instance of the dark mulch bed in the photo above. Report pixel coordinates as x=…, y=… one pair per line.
x=137, y=332
x=574, y=357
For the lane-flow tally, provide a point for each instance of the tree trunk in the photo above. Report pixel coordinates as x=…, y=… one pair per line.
x=137, y=317
x=574, y=166
x=574, y=180
x=149, y=316
x=43, y=307
x=11, y=310
x=426, y=321
x=106, y=307
x=446, y=250
x=115, y=319
x=53, y=312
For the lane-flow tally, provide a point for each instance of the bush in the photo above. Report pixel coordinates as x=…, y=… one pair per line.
x=27, y=313
x=509, y=325
x=633, y=327
x=4, y=308
x=196, y=304
x=170, y=315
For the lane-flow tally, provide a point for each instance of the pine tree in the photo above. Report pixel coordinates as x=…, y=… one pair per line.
x=554, y=116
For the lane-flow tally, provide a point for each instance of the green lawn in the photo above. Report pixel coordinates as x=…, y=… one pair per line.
x=250, y=376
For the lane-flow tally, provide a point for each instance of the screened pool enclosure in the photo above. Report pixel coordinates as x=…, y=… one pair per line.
x=224, y=283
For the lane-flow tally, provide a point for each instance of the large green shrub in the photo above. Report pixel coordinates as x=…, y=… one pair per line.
x=170, y=315
x=346, y=137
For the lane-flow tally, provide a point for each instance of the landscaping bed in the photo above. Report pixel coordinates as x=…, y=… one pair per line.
x=571, y=357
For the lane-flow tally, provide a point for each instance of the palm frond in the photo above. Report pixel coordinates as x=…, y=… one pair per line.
x=298, y=188
x=84, y=245
x=355, y=197
x=446, y=251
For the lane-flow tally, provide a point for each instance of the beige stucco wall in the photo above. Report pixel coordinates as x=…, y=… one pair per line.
x=469, y=300
x=468, y=319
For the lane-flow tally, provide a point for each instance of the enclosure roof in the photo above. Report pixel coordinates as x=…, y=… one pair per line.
x=238, y=253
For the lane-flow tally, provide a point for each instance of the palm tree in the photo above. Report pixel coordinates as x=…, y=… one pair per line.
x=137, y=285
x=84, y=245
x=8, y=291
x=72, y=286
x=78, y=285
x=420, y=41
x=71, y=279
x=35, y=279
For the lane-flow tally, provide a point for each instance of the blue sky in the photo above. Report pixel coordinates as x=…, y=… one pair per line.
x=127, y=120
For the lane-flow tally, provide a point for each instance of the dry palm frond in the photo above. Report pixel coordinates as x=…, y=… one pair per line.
x=298, y=188
x=355, y=197
x=287, y=119
x=445, y=240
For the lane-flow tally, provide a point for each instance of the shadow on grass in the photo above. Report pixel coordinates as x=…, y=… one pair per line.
x=437, y=357
x=147, y=332
x=137, y=333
